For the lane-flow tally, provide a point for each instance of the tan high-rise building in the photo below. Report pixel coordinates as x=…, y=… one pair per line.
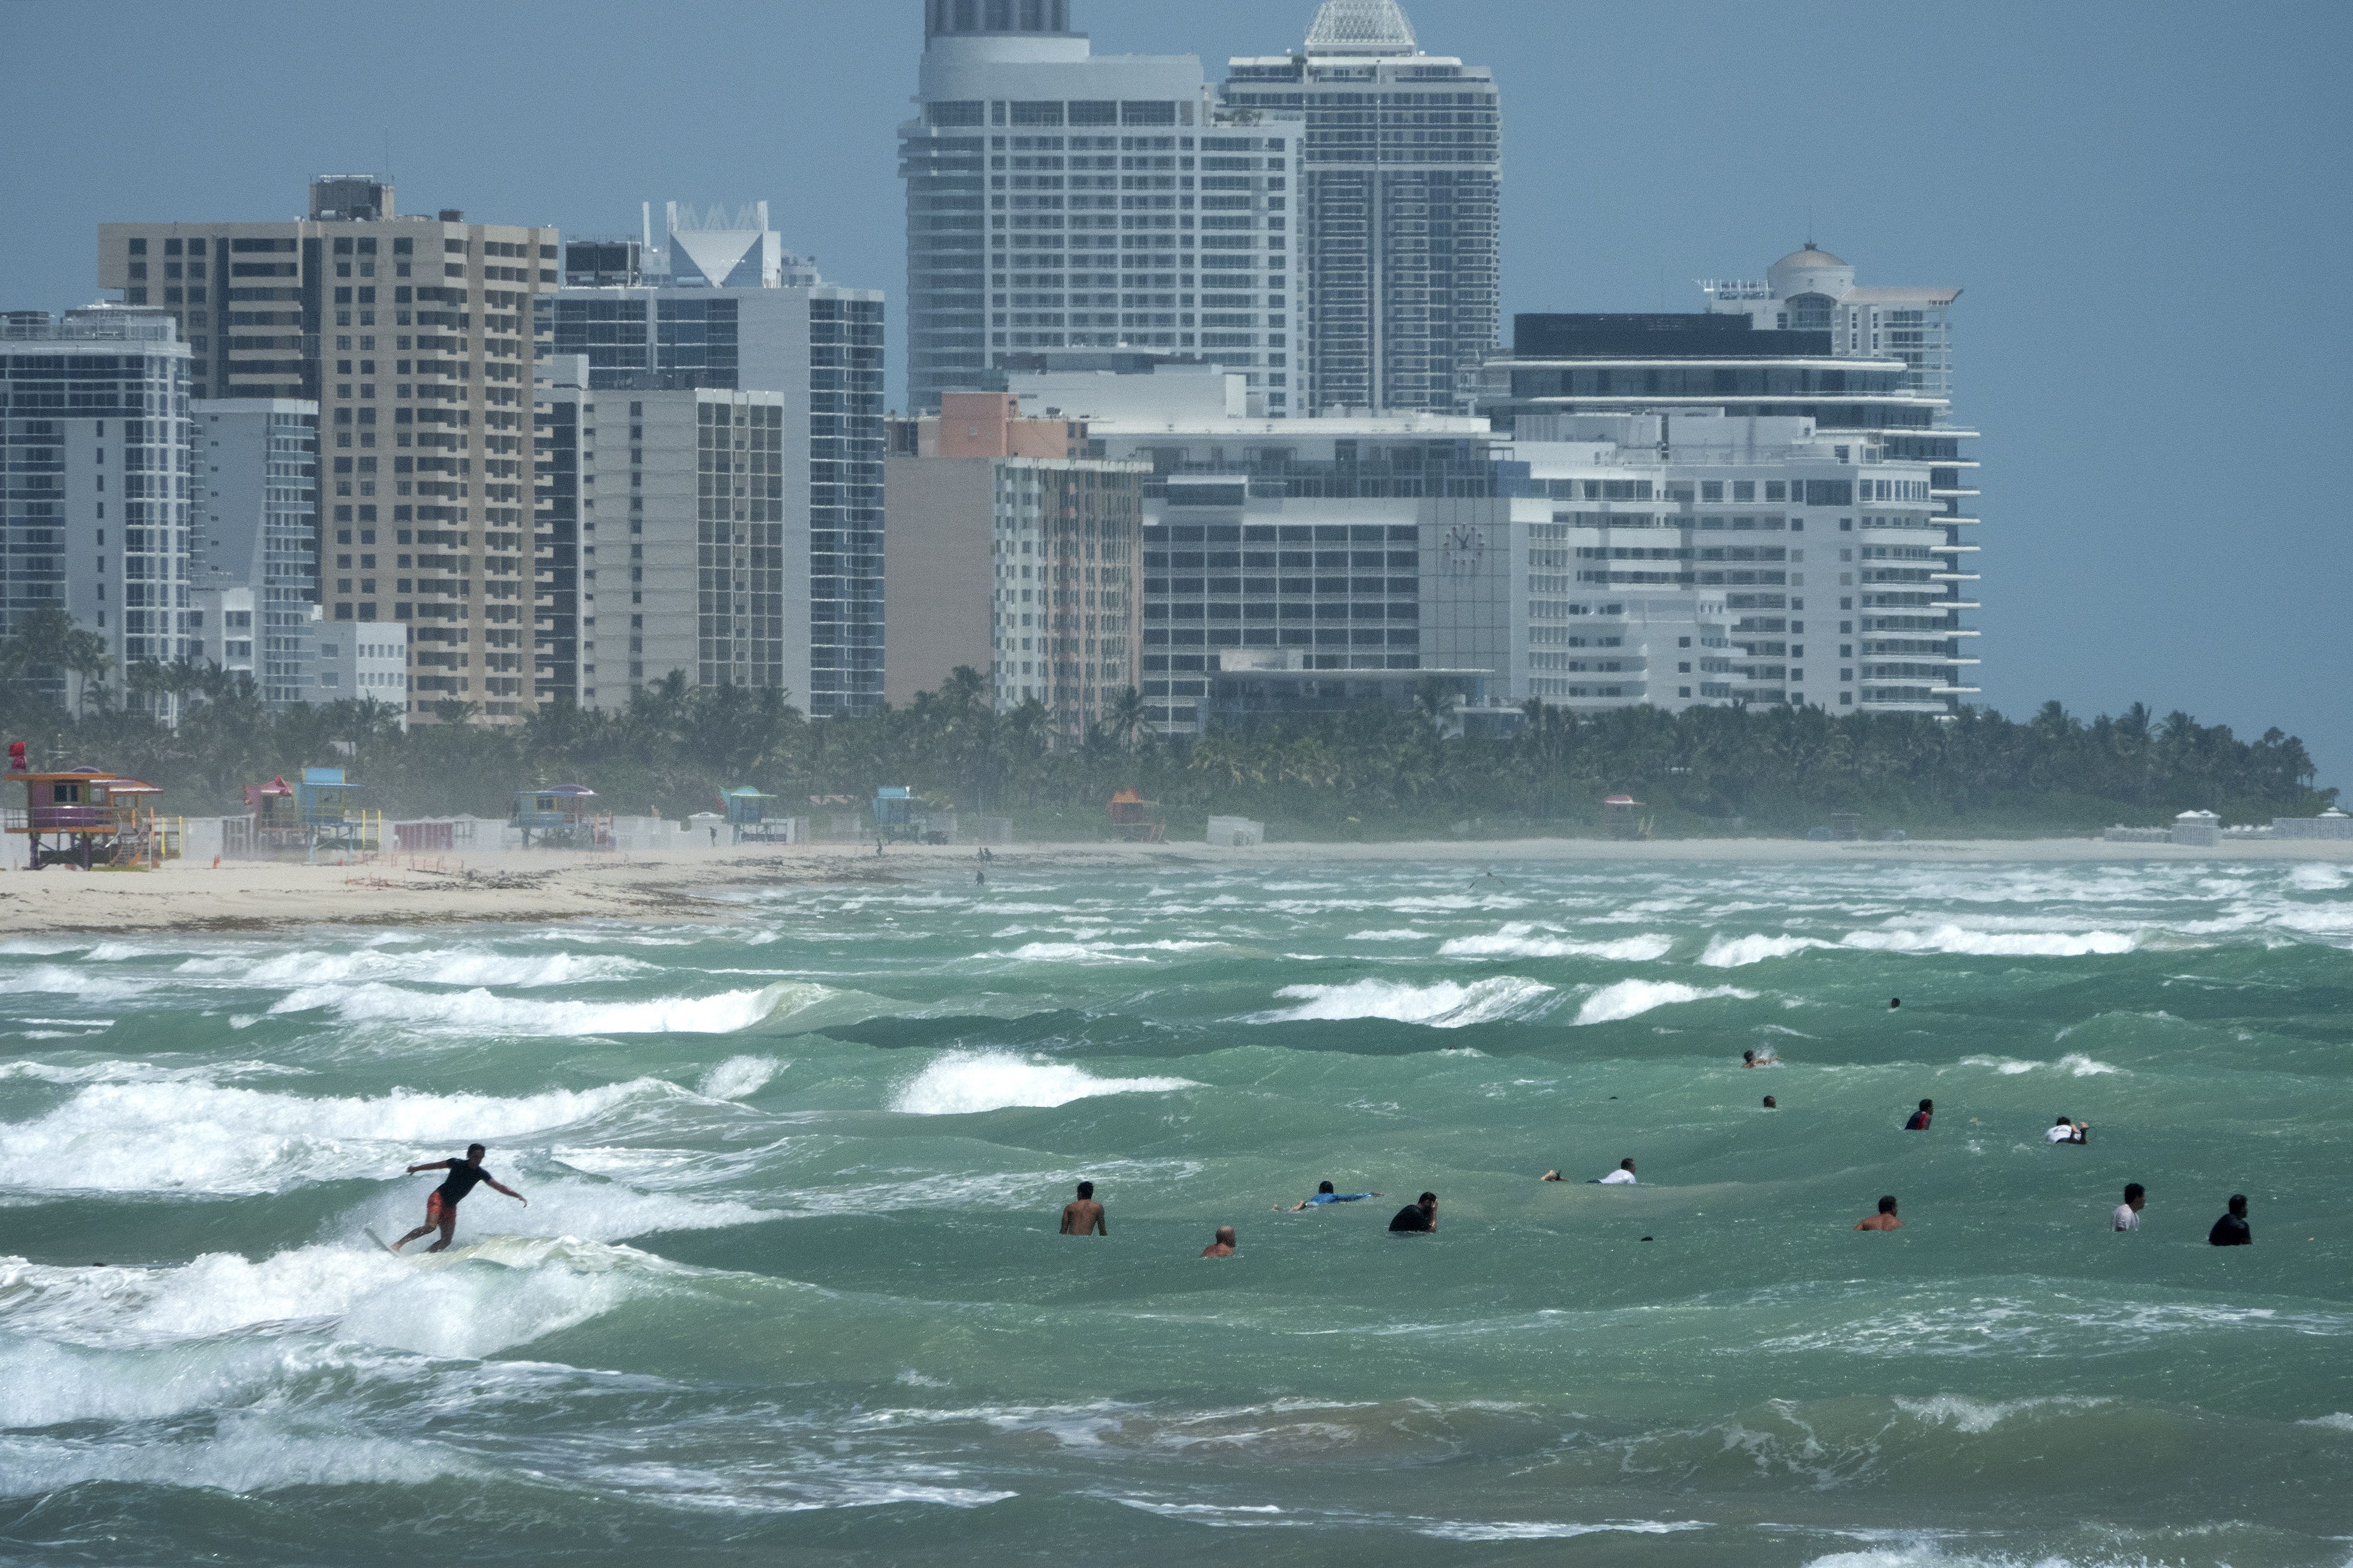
x=413, y=334
x=1009, y=550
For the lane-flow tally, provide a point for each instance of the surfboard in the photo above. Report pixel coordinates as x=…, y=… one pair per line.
x=380, y=1241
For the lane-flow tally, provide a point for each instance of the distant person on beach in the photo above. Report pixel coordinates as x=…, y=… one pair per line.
x=1084, y=1216
x=1421, y=1215
x=2127, y=1215
x=1759, y=1060
x=1919, y=1122
x=1884, y=1219
x=2232, y=1229
x=1623, y=1176
x=1223, y=1247
x=1771, y=1103
x=1324, y=1194
x=2068, y=1132
x=442, y=1202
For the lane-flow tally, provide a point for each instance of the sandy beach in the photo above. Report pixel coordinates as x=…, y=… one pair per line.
x=550, y=885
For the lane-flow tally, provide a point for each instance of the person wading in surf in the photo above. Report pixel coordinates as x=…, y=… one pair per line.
x=441, y=1204
x=1084, y=1216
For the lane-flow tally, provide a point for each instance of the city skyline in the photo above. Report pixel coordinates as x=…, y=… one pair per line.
x=2086, y=488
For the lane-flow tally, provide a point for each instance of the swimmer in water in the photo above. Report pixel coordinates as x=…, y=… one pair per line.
x=1884, y=1219
x=1772, y=1104
x=442, y=1202
x=1419, y=1215
x=1893, y=1003
x=2232, y=1229
x=1623, y=1176
x=1083, y=1215
x=2127, y=1215
x=1223, y=1247
x=1759, y=1060
x=2068, y=1132
x=1324, y=1194
x=1920, y=1117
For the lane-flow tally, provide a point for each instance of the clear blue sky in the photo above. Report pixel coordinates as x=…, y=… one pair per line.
x=2145, y=203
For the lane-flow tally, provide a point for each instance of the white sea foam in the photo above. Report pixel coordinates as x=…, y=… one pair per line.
x=2335, y=1419
x=559, y=1208
x=257, y=1459
x=738, y=1077
x=59, y=981
x=1544, y=1529
x=1964, y=1414
x=963, y=1082
x=207, y=1138
x=480, y=1012
x=462, y=966
x=1973, y=943
x=1736, y=952
x=1441, y=1004
x=2075, y=1064
x=127, y=1071
x=1518, y=939
x=2318, y=879
x=1402, y=933
x=1631, y=998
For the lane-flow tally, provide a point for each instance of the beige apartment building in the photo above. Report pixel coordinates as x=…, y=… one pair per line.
x=1009, y=550
x=413, y=334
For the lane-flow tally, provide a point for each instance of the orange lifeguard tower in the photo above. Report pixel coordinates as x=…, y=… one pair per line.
x=1137, y=820
x=88, y=817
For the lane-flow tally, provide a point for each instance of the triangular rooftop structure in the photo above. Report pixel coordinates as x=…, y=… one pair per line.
x=1361, y=27
x=718, y=253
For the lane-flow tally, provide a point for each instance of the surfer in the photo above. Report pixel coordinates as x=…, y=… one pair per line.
x=1623, y=1176
x=1084, y=1216
x=2232, y=1229
x=442, y=1202
x=1884, y=1219
x=1421, y=1215
x=2127, y=1215
x=2069, y=1133
x=1919, y=1122
x=1324, y=1194
x=1223, y=1247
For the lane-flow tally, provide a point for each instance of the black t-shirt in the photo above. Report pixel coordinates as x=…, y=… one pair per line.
x=462, y=1177
x=2231, y=1230
x=1413, y=1217
x=1919, y=1122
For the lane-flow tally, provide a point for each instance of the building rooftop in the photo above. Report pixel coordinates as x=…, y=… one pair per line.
x=1360, y=27
x=1663, y=335
x=1810, y=257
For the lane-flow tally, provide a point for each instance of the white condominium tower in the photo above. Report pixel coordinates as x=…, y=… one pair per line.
x=1058, y=199
x=1403, y=175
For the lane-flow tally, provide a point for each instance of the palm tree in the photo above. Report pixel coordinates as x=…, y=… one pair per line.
x=1125, y=716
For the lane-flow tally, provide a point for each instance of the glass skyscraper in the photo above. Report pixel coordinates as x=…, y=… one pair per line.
x=1401, y=210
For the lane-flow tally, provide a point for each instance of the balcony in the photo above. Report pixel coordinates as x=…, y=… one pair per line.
x=1952, y=576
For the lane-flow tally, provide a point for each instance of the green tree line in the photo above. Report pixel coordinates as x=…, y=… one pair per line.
x=1369, y=771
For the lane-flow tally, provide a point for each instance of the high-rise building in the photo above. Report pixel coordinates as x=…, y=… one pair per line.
x=1403, y=181
x=1812, y=291
x=1014, y=554
x=101, y=457
x=257, y=540
x=413, y=336
x=1314, y=539
x=721, y=306
x=1061, y=199
x=1692, y=464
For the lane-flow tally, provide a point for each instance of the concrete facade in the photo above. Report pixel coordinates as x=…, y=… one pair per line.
x=256, y=539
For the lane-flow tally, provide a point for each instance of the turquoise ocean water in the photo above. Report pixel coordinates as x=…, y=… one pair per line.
x=788, y=1288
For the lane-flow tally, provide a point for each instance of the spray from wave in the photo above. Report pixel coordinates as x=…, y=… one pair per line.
x=963, y=1082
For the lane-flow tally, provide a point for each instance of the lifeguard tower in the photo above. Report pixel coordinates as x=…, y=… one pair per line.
x=1136, y=820
x=277, y=819
x=87, y=817
x=327, y=809
x=894, y=811
x=746, y=811
x=1622, y=815
x=561, y=816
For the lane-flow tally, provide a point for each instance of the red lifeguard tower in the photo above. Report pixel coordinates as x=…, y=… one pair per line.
x=86, y=817
x=1137, y=820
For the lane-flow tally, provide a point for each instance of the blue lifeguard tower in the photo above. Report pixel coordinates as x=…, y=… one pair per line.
x=894, y=810
x=558, y=817
x=746, y=811
x=326, y=805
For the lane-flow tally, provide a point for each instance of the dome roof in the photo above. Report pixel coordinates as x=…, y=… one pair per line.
x=1810, y=257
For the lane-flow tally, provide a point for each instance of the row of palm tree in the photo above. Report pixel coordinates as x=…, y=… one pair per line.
x=202, y=734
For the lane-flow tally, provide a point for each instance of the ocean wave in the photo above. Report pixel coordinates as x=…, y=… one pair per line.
x=194, y=1137
x=462, y=966
x=128, y=1071
x=1544, y=1529
x=738, y=1077
x=2313, y=877
x=1441, y=1004
x=560, y=1209
x=1972, y=943
x=254, y=1460
x=56, y=980
x=1631, y=998
x=963, y=1082
x=473, y=1301
x=1519, y=939
x=2075, y=1064
x=1089, y=951
x=1737, y=952
x=480, y=1012
x=1963, y=1414
x=1402, y=933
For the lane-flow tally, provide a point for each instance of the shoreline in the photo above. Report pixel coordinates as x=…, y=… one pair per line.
x=517, y=886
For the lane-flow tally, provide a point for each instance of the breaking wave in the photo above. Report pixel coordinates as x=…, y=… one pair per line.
x=1631, y=998
x=1521, y=940
x=1442, y=1004
x=478, y=1012
x=963, y=1082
